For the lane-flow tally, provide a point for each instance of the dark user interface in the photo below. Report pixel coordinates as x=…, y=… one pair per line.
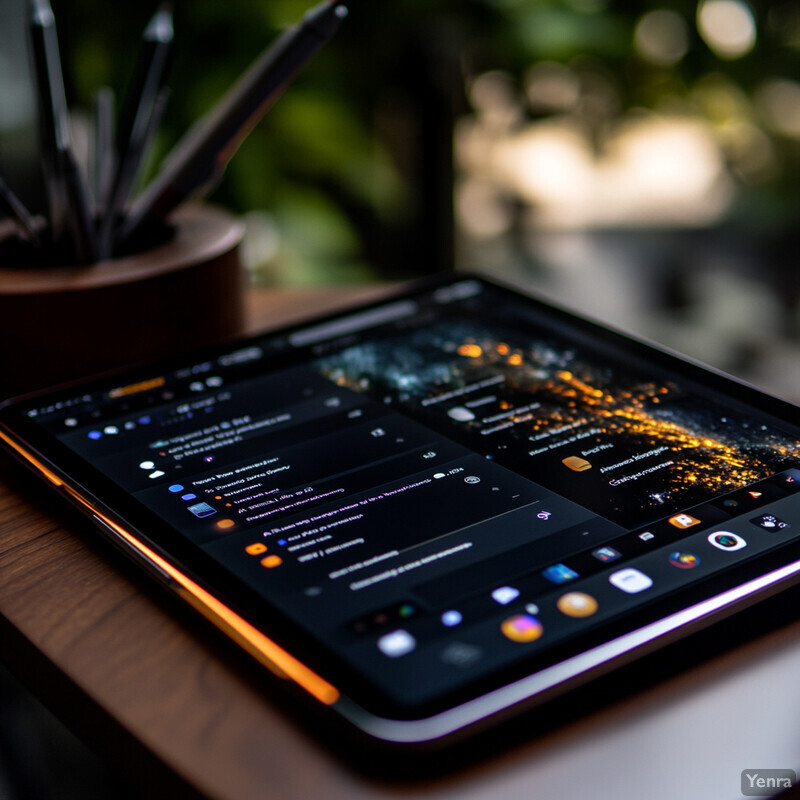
x=441, y=492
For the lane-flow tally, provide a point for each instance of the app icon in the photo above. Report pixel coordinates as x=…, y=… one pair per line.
x=791, y=479
x=577, y=604
x=646, y=536
x=202, y=510
x=505, y=595
x=560, y=573
x=630, y=580
x=270, y=562
x=224, y=524
x=175, y=488
x=147, y=465
x=683, y=560
x=576, y=464
x=256, y=549
x=683, y=521
x=397, y=643
x=606, y=554
x=755, y=495
x=451, y=618
x=188, y=497
x=724, y=540
x=769, y=522
x=522, y=628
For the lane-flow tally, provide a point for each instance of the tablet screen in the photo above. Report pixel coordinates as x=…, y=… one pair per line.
x=445, y=492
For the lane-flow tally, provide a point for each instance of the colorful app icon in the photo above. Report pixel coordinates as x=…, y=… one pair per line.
x=560, y=573
x=683, y=521
x=202, y=510
x=577, y=604
x=769, y=522
x=270, y=562
x=576, y=463
x=606, y=554
x=397, y=643
x=522, y=628
x=256, y=549
x=505, y=595
x=647, y=536
x=630, y=580
x=175, y=488
x=791, y=479
x=725, y=540
x=683, y=560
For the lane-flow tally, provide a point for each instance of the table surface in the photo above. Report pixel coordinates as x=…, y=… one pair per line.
x=137, y=674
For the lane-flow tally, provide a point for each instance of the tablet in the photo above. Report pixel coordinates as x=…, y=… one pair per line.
x=430, y=513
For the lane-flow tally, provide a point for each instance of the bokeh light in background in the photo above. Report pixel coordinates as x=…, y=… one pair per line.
x=727, y=27
x=662, y=129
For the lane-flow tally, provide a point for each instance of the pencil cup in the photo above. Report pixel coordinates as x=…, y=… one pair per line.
x=62, y=323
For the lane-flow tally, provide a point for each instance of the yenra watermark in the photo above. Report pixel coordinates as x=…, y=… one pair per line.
x=766, y=782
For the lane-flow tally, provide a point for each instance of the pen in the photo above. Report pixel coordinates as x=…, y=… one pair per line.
x=103, y=155
x=137, y=128
x=199, y=159
x=66, y=189
x=53, y=124
x=17, y=209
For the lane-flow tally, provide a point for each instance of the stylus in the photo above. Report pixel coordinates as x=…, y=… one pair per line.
x=103, y=154
x=66, y=189
x=139, y=118
x=199, y=159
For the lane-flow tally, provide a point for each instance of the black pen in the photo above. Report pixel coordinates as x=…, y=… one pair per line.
x=19, y=212
x=199, y=159
x=68, y=198
x=137, y=124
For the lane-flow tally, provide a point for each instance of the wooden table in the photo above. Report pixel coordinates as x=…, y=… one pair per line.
x=153, y=688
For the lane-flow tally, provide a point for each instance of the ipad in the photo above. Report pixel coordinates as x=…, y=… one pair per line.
x=430, y=513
